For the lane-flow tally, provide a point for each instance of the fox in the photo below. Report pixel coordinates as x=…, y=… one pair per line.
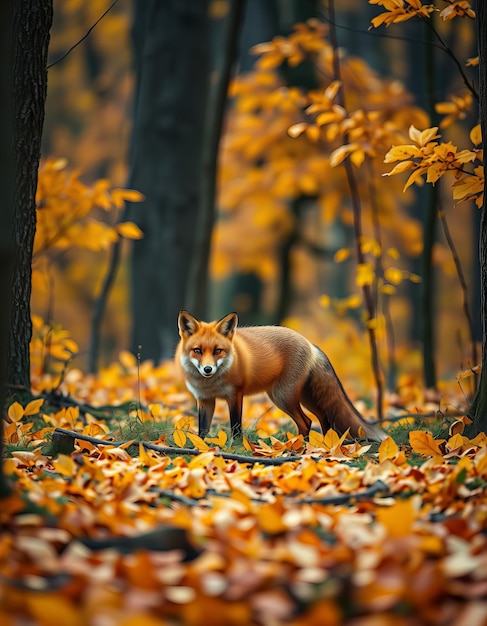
x=220, y=359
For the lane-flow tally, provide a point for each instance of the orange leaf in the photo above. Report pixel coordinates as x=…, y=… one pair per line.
x=422, y=442
x=388, y=449
x=129, y=230
x=398, y=518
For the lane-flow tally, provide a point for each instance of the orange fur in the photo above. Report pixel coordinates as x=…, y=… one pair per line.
x=220, y=360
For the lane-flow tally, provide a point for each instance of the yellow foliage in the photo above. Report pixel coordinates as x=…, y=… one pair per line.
x=66, y=210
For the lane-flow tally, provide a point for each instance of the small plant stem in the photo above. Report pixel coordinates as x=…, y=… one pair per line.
x=463, y=284
x=357, y=223
x=379, y=272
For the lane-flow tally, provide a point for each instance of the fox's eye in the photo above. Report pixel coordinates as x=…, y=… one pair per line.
x=197, y=350
x=217, y=351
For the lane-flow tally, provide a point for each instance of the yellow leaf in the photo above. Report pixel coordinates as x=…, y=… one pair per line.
x=387, y=449
x=398, y=519
x=119, y=196
x=365, y=274
x=400, y=153
x=65, y=465
x=393, y=275
x=144, y=457
x=341, y=153
x=202, y=460
x=33, y=407
x=198, y=442
x=220, y=440
x=179, y=437
x=184, y=423
x=297, y=129
x=129, y=230
x=403, y=166
x=456, y=441
x=331, y=440
x=422, y=442
x=95, y=430
x=247, y=445
x=476, y=135
x=16, y=412
x=316, y=439
x=127, y=359
x=196, y=483
x=270, y=517
x=341, y=255
x=389, y=290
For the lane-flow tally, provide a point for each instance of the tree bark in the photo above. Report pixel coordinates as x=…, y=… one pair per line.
x=7, y=172
x=31, y=25
x=170, y=51
x=478, y=409
x=198, y=282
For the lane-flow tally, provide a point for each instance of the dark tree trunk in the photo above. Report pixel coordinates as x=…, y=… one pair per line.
x=7, y=172
x=478, y=410
x=198, y=281
x=32, y=22
x=24, y=38
x=170, y=41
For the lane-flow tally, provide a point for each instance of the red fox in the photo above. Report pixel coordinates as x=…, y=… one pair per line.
x=220, y=360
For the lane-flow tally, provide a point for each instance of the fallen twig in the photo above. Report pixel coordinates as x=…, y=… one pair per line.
x=63, y=442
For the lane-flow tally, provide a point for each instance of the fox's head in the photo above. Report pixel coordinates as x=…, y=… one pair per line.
x=207, y=345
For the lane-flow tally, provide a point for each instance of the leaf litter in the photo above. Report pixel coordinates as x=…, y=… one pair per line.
x=327, y=531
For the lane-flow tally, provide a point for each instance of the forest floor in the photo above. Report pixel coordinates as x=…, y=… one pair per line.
x=102, y=529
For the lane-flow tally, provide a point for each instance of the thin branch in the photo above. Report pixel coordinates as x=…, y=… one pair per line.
x=446, y=48
x=61, y=436
x=61, y=58
x=463, y=284
x=357, y=223
x=374, y=490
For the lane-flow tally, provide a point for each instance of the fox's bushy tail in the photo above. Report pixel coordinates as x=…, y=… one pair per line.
x=324, y=395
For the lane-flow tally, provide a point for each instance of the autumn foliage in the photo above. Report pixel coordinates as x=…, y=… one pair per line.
x=120, y=514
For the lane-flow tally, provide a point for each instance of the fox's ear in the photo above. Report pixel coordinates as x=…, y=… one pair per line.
x=188, y=324
x=227, y=325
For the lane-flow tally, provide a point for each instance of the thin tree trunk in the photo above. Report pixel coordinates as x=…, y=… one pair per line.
x=32, y=23
x=478, y=409
x=7, y=173
x=170, y=49
x=430, y=219
x=197, y=286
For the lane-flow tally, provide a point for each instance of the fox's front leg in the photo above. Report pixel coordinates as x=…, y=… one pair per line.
x=206, y=408
x=235, y=408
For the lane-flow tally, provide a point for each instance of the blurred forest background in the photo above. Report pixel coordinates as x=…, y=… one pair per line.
x=283, y=247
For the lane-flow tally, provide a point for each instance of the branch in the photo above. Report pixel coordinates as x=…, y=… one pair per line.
x=378, y=487
x=357, y=226
x=62, y=57
x=63, y=442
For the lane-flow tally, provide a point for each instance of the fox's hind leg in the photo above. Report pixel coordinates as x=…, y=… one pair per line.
x=290, y=405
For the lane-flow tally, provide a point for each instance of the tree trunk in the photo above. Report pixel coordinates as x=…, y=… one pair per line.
x=198, y=281
x=7, y=172
x=32, y=22
x=478, y=409
x=170, y=51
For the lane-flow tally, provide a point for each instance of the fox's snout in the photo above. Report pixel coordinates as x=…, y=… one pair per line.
x=207, y=370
